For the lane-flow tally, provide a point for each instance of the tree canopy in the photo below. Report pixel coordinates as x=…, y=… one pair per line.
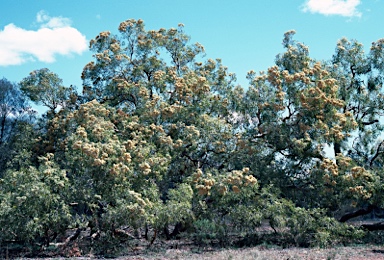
x=162, y=143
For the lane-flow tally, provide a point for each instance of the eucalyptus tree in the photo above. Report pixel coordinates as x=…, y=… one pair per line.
x=159, y=131
x=14, y=112
x=319, y=126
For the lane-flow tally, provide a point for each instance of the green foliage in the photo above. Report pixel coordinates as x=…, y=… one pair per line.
x=206, y=231
x=33, y=209
x=45, y=88
x=307, y=227
x=15, y=120
x=161, y=142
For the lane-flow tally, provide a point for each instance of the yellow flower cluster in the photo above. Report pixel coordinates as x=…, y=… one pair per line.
x=166, y=140
x=197, y=175
x=250, y=180
x=98, y=131
x=211, y=64
x=219, y=146
x=143, y=92
x=99, y=162
x=172, y=75
x=192, y=131
x=104, y=56
x=341, y=117
x=330, y=166
x=204, y=189
x=89, y=67
x=90, y=150
x=109, y=148
x=335, y=132
x=139, y=205
x=167, y=112
x=130, y=144
x=223, y=189
x=122, y=83
x=317, y=67
x=145, y=168
x=104, y=34
x=100, y=38
x=137, y=196
x=361, y=191
x=360, y=172
x=125, y=25
x=280, y=94
x=178, y=143
x=274, y=76
x=321, y=125
x=119, y=168
x=241, y=178
x=81, y=132
x=236, y=178
x=115, y=47
x=156, y=128
x=158, y=75
x=158, y=161
x=127, y=157
x=205, y=185
x=343, y=161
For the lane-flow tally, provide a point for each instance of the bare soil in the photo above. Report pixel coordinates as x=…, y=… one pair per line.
x=259, y=252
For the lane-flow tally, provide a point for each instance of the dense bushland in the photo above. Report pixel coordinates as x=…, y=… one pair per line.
x=161, y=144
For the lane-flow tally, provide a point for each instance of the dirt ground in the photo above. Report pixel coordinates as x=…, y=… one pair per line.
x=259, y=252
x=351, y=253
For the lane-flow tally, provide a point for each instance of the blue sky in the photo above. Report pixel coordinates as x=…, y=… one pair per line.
x=245, y=34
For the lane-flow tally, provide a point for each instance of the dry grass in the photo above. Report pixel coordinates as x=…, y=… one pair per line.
x=259, y=252
x=352, y=253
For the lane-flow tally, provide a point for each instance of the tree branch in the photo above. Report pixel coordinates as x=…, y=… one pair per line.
x=376, y=154
x=371, y=122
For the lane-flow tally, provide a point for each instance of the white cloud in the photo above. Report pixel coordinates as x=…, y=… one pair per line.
x=346, y=8
x=54, y=37
x=52, y=22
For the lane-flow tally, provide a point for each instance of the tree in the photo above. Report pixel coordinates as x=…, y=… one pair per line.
x=14, y=111
x=300, y=105
x=360, y=79
x=155, y=75
x=289, y=114
x=13, y=106
x=33, y=209
x=45, y=88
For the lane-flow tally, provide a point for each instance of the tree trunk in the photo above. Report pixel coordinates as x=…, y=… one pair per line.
x=2, y=130
x=337, y=148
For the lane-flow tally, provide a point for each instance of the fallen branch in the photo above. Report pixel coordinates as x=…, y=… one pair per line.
x=123, y=234
x=73, y=237
x=374, y=227
x=357, y=213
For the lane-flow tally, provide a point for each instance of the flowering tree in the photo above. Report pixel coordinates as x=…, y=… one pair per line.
x=319, y=124
x=156, y=77
x=162, y=142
